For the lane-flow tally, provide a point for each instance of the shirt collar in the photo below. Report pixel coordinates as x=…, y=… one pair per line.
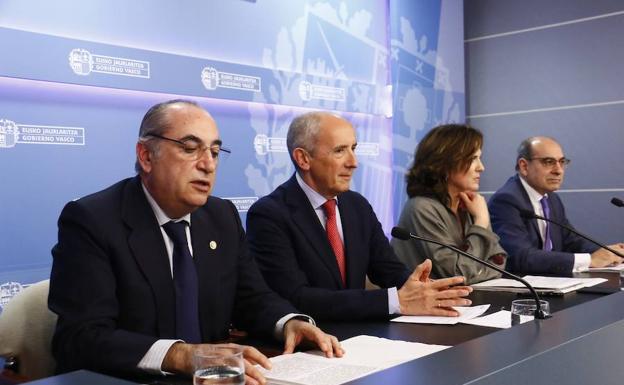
x=161, y=217
x=316, y=199
x=534, y=196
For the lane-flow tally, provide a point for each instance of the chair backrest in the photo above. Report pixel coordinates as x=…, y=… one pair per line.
x=26, y=329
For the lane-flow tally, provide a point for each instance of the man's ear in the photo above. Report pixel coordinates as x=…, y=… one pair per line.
x=144, y=156
x=523, y=166
x=302, y=158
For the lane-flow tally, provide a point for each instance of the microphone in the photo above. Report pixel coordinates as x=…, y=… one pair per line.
x=528, y=214
x=405, y=235
x=617, y=202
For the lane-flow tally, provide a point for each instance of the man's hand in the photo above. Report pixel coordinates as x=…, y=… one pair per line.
x=477, y=207
x=179, y=360
x=296, y=331
x=603, y=257
x=421, y=296
x=254, y=357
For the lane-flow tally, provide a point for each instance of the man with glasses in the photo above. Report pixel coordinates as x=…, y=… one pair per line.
x=153, y=265
x=316, y=241
x=536, y=246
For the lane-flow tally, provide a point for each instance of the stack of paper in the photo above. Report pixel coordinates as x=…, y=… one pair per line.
x=607, y=269
x=364, y=355
x=547, y=285
x=465, y=313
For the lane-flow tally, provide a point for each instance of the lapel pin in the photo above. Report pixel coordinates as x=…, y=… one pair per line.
x=213, y=245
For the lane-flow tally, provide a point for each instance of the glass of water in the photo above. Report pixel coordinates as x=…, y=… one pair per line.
x=523, y=310
x=218, y=364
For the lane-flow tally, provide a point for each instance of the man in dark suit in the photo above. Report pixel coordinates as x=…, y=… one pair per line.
x=133, y=292
x=316, y=241
x=536, y=247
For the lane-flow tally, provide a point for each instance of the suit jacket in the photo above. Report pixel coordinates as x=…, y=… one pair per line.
x=428, y=217
x=292, y=250
x=112, y=288
x=521, y=237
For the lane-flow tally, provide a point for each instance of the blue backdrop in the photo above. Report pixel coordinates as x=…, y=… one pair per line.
x=77, y=77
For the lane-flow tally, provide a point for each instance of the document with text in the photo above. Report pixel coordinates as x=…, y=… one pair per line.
x=363, y=355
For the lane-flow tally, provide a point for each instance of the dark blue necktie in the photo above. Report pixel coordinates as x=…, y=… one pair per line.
x=185, y=283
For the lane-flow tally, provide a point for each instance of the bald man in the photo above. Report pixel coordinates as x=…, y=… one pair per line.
x=535, y=246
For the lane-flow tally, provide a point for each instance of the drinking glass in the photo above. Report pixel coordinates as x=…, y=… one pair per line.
x=523, y=310
x=218, y=364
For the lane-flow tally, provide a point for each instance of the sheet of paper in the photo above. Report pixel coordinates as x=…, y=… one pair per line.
x=500, y=319
x=383, y=352
x=308, y=369
x=619, y=267
x=535, y=281
x=364, y=355
x=589, y=282
x=465, y=313
x=550, y=284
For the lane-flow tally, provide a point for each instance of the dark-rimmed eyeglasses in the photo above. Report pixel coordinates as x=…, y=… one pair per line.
x=195, y=149
x=550, y=162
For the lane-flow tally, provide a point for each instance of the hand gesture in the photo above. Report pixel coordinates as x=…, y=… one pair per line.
x=422, y=296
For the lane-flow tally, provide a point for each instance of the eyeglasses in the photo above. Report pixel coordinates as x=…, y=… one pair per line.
x=194, y=148
x=551, y=162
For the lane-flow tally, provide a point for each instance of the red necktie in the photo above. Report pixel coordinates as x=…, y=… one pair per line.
x=334, y=237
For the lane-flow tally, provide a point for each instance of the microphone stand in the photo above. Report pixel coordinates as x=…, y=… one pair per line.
x=531, y=215
x=403, y=234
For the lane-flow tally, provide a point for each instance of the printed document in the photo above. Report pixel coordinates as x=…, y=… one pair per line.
x=363, y=355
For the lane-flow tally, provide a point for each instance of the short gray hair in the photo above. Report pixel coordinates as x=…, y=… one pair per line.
x=303, y=131
x=156, y=122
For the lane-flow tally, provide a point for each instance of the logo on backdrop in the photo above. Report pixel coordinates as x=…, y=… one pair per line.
x=213, y=79
x=309, y=91
x=8, y=290
x=265, y=144
x=12, y=133
x=83, y=63
x=242, y=203
x=368, y=149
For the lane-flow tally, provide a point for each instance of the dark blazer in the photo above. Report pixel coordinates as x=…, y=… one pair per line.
x=291, y=247
x=520, y=237
x=112, y=288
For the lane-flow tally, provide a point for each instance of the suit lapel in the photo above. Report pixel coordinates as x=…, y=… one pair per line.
x=349, y=219
x=556, y=232
x=305, y=218
x=147, y=246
